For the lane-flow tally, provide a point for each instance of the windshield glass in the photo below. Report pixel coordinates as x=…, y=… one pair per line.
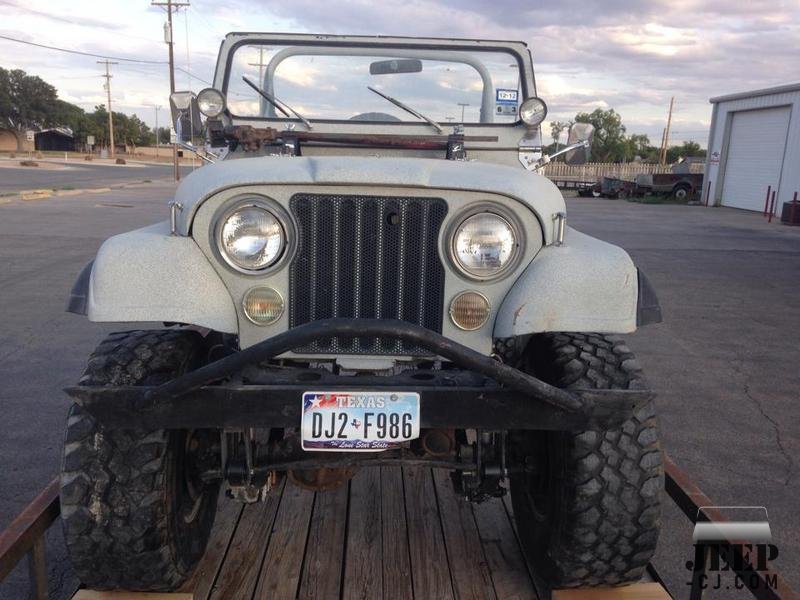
x=331, y=82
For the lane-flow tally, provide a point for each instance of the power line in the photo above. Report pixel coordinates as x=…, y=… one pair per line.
x=117, y=58
x=134, y=60
x=76, y=22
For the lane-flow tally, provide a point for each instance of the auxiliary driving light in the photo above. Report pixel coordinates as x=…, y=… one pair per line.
x=533, y=111
x=211, y=102
x=469, y=310
x=263, y=305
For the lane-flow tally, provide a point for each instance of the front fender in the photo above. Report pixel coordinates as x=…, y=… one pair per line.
x=583, y=285
x=150, y=275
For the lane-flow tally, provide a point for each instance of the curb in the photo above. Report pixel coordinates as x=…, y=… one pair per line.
x=35, y=194
x=29, y=195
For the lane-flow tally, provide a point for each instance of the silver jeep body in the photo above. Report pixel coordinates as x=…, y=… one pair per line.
x=575, y=284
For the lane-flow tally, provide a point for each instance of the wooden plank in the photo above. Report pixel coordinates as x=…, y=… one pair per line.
x=509, y=506
x=283, y=564
x=100, y=595
x=364, y=545
x=31, y=524
x=503, y=554
x=637, y=591
x=426, y=542
x=396, y=557
x=469, y=571
x=239, y=573
x=322, y=575
x=37, y=570
x=205, y=574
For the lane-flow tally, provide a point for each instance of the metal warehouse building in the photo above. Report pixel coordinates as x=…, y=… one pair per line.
x=753, y=145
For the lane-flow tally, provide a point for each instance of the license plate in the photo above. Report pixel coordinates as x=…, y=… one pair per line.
x=358, y=421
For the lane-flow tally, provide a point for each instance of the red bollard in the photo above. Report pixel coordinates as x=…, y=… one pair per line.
x=766, y=200
x=792, y=209
x=771, y=208
x=708, y=191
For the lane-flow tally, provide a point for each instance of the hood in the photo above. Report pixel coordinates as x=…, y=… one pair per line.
x=532, y=189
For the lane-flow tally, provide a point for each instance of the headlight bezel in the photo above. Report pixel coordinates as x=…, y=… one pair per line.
x=210, y=90
x=498, y=210
x=251, y=200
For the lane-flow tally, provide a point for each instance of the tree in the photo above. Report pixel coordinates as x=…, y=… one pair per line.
x=556, y=127
x=609, y=143
x=26, y=101
x=163, y=135
x=689, y=148
x=639, y=145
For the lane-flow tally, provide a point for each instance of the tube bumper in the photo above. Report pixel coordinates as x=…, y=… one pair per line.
x=480, y=393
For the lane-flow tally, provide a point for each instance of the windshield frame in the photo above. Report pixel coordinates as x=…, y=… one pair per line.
x=373, y=43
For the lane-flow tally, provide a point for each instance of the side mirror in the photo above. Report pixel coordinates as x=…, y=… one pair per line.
x=579, y=132
x=186, y=117
x=397, y=65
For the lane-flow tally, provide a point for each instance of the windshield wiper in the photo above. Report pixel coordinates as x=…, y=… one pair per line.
x=280, y=105
x=408, y=109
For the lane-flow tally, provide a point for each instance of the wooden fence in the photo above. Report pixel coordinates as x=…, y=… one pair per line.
x=594, y=171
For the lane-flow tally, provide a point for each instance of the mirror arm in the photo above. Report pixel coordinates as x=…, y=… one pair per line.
x=197, y=152
x=548, y=157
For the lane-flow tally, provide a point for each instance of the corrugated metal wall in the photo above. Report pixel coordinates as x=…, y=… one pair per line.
x=719, y=138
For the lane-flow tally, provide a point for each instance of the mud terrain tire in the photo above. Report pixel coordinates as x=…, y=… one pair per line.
x=132, y=519
x=588, y=508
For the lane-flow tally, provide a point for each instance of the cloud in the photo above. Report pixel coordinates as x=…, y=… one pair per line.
x=626, y=54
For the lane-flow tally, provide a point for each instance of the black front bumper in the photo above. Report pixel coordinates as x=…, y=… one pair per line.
x=482, y=393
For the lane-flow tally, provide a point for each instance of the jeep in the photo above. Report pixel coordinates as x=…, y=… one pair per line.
x=370, y=270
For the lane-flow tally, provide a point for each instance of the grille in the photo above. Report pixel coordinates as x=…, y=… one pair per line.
x=366, y=257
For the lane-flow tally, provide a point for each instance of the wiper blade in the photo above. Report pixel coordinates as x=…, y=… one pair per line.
x=408, y=109
x=280, y=105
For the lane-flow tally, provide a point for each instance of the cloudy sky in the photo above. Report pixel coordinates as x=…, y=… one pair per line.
x=631, y=55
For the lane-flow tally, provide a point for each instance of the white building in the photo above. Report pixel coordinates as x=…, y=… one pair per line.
x=754, y=144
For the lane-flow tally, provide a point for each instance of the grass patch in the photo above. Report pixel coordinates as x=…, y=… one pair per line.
x=65, y=187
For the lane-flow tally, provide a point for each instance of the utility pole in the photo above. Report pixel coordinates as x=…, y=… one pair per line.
x=108, y=77
x=260, y=64
x=666, y=132
x=463, y=105
x=171, y=6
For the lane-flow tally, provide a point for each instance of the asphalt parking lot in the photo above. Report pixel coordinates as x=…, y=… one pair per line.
x=724, y=362
x=77, y=174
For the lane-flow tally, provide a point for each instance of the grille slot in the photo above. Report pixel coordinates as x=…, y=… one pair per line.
x=366, y=257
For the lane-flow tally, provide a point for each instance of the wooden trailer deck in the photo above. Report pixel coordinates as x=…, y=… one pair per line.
x=390, y=533
x=393, y=533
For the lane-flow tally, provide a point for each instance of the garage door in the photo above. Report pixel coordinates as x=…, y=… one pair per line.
x=755, y=156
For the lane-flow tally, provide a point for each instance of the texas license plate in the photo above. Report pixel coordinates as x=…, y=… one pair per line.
x=358, y=421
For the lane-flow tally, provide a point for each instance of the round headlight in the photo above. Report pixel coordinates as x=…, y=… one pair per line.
x=252, y=238
x=484, y=245
x=533, y=111
x=211, y=102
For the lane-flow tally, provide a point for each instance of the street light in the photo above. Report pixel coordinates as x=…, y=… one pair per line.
x=463, y=105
